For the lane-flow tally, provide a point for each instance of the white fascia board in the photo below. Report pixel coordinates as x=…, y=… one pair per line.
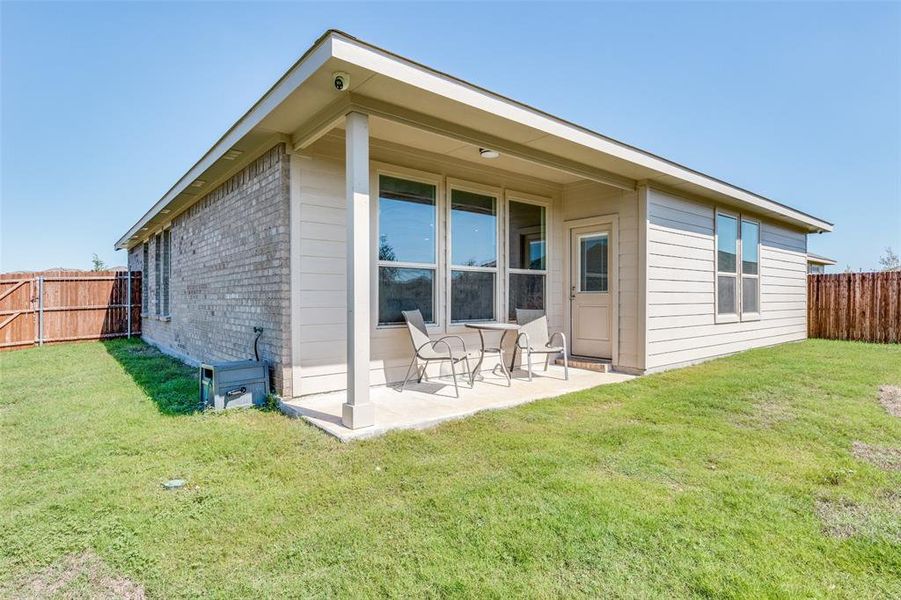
x=308, y=64
x=819, y=260
x=396, y=67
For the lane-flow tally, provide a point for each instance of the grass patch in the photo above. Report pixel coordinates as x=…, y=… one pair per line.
x=735, y=478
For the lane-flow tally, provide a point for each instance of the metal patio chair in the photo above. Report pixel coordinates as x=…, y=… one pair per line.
x=428, y=350
x=533, y=338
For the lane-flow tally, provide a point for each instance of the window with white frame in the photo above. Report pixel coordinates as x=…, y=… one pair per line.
x=473, y=256
x=166, y=270
x=750, y=268
x=145, y=279
x=158, y=272
x=737, y=267
x=407, y=252
x=527, y=256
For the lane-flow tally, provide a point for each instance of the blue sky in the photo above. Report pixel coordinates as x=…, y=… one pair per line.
x=105, y=105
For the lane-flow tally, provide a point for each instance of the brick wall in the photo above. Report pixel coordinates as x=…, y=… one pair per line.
x=229, y=272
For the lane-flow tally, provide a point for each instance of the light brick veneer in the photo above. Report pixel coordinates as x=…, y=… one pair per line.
x=229, y=272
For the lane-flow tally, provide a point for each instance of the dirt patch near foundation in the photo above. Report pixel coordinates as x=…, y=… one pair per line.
x=83, y=575
x=882, y=456
x=890, y=399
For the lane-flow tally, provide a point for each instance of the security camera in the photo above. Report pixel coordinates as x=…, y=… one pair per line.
x=341, y=81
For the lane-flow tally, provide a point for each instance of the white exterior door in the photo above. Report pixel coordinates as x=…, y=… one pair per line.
x=590, y=297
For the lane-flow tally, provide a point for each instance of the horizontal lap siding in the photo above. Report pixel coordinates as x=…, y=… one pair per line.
x=681, y=279
x=322, y=276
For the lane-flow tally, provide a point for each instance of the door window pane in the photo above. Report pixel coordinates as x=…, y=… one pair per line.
x=473, y=229
x=472, y=296
x=750, y=234
x=407, y=220
x=526, y=291
x=593, y=263
x=405, y=289
x=726, y=243
x=528, y=249
x=725, y=296
x=749, y=301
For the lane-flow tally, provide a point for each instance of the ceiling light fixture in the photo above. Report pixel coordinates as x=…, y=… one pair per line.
x=486, y=153
x=198, y=183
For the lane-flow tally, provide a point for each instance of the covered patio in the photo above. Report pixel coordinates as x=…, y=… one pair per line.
x=431, y=402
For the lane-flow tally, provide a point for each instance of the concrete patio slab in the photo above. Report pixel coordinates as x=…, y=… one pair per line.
x=429, y=403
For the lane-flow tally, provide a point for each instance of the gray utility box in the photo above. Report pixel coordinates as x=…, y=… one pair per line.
x=234, y=384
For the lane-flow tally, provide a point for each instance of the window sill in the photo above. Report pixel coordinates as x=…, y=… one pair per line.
x=726, y=319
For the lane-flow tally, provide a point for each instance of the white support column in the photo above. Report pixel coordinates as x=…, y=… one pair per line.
x=357, y=412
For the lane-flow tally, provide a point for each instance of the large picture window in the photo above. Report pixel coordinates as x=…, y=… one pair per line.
x=473, y=252
x=407, y=229
x=737, y=268
x=527, y=252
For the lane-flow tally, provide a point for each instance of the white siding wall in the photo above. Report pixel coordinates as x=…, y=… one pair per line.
x=680, y=264
x=588, y=199
x=322, y=266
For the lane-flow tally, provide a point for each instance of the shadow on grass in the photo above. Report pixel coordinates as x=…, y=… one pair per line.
x=170, y=384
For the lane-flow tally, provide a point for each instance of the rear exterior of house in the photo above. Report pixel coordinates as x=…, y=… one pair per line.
x=323, y=213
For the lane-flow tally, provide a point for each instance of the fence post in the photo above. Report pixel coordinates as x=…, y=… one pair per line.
x=40, y=311
x=128, y=306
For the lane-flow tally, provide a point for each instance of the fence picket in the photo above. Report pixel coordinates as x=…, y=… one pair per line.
x=855, y=306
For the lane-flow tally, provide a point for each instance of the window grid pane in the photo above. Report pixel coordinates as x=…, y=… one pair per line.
x=593, y=263
x=472, y=296
x=749, y=297
x=750, y=236
x=407, y=220
x=726, y=243
x=473, y=229
x=402, y=288
x=526, y=291
x=725, y=297
x=527, y=237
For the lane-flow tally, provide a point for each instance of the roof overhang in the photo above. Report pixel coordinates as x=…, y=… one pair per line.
x=819, y=260
x=303, y=105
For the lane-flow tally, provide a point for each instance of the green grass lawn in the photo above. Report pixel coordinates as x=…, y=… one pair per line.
x=735, y=478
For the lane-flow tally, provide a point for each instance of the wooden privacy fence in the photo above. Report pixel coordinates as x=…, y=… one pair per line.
x=855, y=306
x=64, y=306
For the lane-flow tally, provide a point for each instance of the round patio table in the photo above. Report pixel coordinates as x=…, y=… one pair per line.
x=503, y=328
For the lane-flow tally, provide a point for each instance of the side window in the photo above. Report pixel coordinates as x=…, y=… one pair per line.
x=166, y=270
x=737, y=268
x=157, y=272
x=145, y=279
x=750, y=268
x=726, y=265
